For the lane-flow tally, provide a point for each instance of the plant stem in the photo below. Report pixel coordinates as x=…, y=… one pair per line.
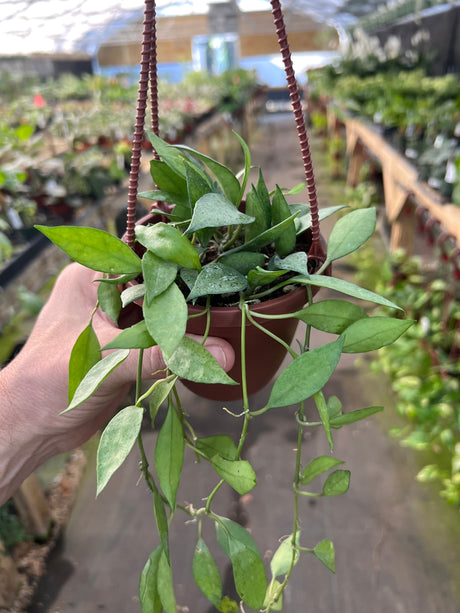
x=271, y=334
x=295, y=529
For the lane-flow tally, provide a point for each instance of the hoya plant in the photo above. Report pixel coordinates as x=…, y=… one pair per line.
x=218, y=241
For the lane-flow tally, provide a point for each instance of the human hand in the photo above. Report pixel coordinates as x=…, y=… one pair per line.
x=34, y=386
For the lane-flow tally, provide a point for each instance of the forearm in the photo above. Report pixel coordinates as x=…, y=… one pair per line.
x=21, y=450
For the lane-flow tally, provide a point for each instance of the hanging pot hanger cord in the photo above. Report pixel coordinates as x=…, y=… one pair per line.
x=154, y=80
x=146, y=61
x=316, y=249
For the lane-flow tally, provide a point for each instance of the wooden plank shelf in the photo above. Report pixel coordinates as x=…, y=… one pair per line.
x=402, y=187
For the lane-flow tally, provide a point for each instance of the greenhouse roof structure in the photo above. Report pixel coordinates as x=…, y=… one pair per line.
x=79, y=26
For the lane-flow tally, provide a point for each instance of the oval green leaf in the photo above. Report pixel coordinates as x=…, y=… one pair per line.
x=206, y=573
x=193, y=362
x=168, y=243
x=373, y=332
x=86, y=352
x=169, y=455
x=135, y=337
x=284, y=556
x=333, y=316
x=350, y=232
x=148, y=591
x=116, y=442
x=344, y=287
x=94, y=248
x=305, y=376
x=337, y=483
x=317, y=467
x=158, y=274
x=109, y=300
x=214, y=210
x=166, y=319
x=324, y=551
x=216, y=278
x=239, y=474
x=353, y=416
x=95, y=376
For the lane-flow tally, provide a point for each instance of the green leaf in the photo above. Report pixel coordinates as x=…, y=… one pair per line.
x=324, y=416
x=206, y=573
x=193, y=362
x=373, y=332
x=353, y=416
x=272, y=591
x=317, y=467
x=344, y=287
x=303, y=220
x=233, y=538
x=116, y=442
x=148, y=591
x=168, y=153
x=159, y=394
x=334, y=407
x=265, y=238
x=95, y=376
x=132, y=293
x=350, y=232
x=239, y=474
x=216, y=278
x=169, y=182
x=255, y=209
x=259, y=277
x=94, y=248
x=169, y=455
x=165, y=585
x=161, y=520
x=285, y=242
x=264, y=198
x=135, y=337
x=248, y=567
x=215, y=210
x=86, y=352
x=250, y=579
x=243, y=261
x=247, y=164
x=166, y=319
x=284, y=555
x=217, y=445
x=297, y=262
x=109, y=300
x=223, y=175
x=168, y=243
x=158, y=274
x=305, y=376
x=324, y=551
x=337, y=483
x=119, y=279
x=332, y=316
x=198, y=184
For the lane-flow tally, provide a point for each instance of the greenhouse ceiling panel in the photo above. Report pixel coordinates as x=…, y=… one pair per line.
x=79, y=26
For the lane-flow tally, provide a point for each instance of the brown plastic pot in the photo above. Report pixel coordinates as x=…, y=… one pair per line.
x=263, y=354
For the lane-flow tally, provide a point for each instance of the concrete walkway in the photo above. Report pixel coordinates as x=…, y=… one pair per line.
x=397, y=544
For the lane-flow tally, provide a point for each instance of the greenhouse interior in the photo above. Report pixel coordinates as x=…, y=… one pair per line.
x=197, y=200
